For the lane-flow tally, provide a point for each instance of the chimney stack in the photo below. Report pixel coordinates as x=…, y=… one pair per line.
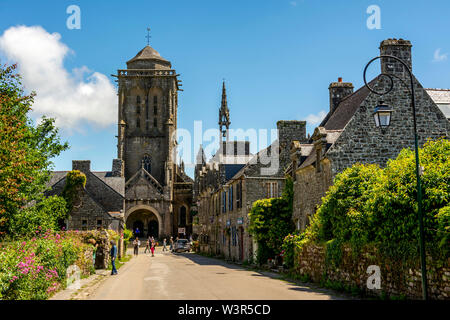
x=117, y=168
x=399, y=48
x=338, y=91
x=81, y=165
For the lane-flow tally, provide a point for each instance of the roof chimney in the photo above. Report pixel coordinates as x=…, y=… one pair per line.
x=81, y=165
x=399, y=48
x=338, y=91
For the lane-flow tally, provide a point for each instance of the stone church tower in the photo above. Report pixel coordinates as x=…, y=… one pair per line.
x=158, y=193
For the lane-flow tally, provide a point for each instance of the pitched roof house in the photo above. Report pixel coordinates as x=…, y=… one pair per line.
x=100, y=203
x=348, y=133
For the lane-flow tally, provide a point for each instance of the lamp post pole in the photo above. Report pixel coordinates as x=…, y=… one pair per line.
x=418, y=171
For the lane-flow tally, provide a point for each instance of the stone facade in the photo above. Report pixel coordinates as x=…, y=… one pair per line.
x=224, y=201
x=99, y=205
x=158, y=194
x=146, y=188
x=348, y=133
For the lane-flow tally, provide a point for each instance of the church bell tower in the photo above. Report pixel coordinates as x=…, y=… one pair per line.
x=148, y=101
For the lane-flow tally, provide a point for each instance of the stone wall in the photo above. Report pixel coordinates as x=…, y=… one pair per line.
x=85, y=208
x=309, y=188
x=397, y=278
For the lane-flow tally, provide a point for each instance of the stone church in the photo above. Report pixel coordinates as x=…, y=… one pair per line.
x=151, y=191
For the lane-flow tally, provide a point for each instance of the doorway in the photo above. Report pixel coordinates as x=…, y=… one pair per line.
x=241, y=243
x=138, y=228
x=153, y=229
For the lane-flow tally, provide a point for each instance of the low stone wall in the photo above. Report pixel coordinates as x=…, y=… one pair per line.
x=397, y=278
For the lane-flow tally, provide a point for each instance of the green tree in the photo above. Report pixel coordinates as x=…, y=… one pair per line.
x=271, y=221
x=367, y=204
x=25, y=150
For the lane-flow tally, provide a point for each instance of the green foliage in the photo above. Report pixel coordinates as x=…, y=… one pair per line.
x=290, y=243
x=34, y=269
x=75, y=180
x=127, y=235
x=333, y=253
x=25, y=149
x=263, y=253
x=270, y=222
x=443, y=223
x=367, y=204
x=46, y=215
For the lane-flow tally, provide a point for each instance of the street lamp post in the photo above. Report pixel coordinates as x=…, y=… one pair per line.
x=382, y=117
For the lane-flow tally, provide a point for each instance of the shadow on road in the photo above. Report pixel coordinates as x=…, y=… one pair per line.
x=295, y=285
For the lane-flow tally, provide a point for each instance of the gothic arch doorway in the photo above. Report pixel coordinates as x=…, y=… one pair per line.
x=138, y=228
x=153, y=230
x=146, y=218
x=183, y=217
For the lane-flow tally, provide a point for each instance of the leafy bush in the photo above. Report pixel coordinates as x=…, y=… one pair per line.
x=127, y=235
x=45, y=214
x=290, y=243
x=271, y=221
x=35, y=269
x=367, y=204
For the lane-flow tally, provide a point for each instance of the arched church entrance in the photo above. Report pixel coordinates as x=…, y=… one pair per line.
x=153, y=229
x=146, y=219
x=138, y=228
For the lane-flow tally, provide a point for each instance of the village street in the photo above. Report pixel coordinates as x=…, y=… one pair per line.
x=188, y=276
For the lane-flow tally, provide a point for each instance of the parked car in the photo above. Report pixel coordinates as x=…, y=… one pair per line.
x=181, y=245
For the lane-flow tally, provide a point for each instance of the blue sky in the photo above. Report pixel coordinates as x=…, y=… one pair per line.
x=278, y=57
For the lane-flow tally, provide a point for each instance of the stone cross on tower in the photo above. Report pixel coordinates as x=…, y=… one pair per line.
x=224, y=114
x=148, y=36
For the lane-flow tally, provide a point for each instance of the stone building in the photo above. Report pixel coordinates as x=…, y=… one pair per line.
x=227, y=186
x=146, y=189
x=158, y=193
x=348, y=133
x=100, y=204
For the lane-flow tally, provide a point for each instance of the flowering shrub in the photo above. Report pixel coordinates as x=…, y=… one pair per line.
x=35, y=269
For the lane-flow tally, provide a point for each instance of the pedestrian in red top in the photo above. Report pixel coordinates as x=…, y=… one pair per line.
x=152, y=248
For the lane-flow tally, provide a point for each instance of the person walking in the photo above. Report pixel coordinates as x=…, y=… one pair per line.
x=147, y=245
x=113, y=255
x=164, y=245
x=152, y=248
x=136, y=244
x=171, y=243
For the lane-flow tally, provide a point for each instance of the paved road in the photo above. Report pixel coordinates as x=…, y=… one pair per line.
x=190, y=276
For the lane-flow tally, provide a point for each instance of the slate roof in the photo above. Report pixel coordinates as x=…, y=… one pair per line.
x=346, y=109
x=332, y=136
x=231, y=170
x=148, y=53
x=442, y=98
x=115, y=183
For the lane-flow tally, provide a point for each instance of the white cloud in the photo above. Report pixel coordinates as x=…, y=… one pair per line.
x=314, y=119
x=438, y=56
x=72, y=97
x=293, y=3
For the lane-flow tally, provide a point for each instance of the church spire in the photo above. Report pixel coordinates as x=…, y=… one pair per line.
x=224, y=113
